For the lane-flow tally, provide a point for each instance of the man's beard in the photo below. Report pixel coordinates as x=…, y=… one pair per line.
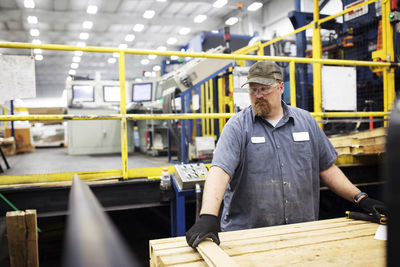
x=262, y=107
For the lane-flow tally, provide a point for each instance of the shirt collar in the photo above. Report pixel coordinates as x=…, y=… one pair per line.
x=287, y=113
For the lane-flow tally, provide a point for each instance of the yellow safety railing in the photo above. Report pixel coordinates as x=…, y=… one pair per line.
x=239, y=55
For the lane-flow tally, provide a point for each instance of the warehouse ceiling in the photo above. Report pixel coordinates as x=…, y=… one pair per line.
x=118, y=23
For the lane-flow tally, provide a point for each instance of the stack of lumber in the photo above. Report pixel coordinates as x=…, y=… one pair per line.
x=334, y=242
x=360, y=143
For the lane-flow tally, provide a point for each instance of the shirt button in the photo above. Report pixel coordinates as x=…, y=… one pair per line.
x=285, y=183
x=286, y=219
x=278, y=146
x=282, y=164
x=286, y=201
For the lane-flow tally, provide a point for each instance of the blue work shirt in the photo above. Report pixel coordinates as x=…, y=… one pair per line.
x=274, y=171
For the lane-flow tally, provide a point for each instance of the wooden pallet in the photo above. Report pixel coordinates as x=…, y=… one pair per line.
x=334, y=242
x=360, y=143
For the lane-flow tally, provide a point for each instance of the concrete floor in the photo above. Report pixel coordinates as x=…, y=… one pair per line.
x=54, y=160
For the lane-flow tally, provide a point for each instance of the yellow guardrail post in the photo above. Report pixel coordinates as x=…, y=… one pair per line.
x=388, y=50
x=124, y=126
x=316, y=53
x=203, y=97
x=292, y=75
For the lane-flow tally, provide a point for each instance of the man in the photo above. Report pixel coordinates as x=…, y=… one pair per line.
x=268, y=164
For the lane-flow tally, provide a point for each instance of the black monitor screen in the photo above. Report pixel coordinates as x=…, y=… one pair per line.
x=141, y=92
x=112, y=93
x=84, y=93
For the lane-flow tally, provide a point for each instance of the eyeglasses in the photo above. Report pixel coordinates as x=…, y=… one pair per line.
x=264, y=90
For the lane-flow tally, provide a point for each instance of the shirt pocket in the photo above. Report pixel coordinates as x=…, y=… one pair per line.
x=259, y=157
x=301, y=154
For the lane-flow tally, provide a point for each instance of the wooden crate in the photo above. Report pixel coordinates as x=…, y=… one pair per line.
x=334, y=242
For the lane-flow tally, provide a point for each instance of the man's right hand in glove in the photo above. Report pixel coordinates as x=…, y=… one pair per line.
x=206, y=226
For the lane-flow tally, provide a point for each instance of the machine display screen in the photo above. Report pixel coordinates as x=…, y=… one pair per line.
x=142, y=92
x=84, y=93
x=111, y=93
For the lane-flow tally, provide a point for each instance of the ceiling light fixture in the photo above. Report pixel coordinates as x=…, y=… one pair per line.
x=32, y=19
x=200, y=18
x=231, y=21
x=254, y=6
x=87, y=24
x=36, y=42
x=37, y=51
x=215, y=31
x=174, y=57
x=148, y=14
x=162, y=1
x=76, y=59
x=144, y=61
x=152, y=57
x=156, y=68
x=138, y=80
x=138, y=27
x=34, y=32
x=161, y=48
x=91, y=9
x=29, y=4
x=78, y=53
x=123, y=46
x=72, y=72
x=81, y=44
x=220, y=3
x=184, y=31
x=74, y=65
x=115, y=54
x=172, y=40
x=38, y=57
x=83, y=36
x=112, y=60
x=129, y=37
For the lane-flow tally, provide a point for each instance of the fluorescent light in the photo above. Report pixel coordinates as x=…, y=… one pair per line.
x=138, y=27
x=34, y=32
x=138, y=80
x=115, y=54
x=36, y=41
x=156, y=68
x=161, y=0
x=78, y=53
x=32, y=19
x=152, y=57
x=148, y=14
x=147, y=74
x=161, y=48
x=220, y=3
x=76, y=59
x=83, y=36
x=200, y=18
x=255, y=6
x=37, y=51
x=81, y=44
x=72, y=72
x=129, y=37
x=172, y=40
x=91, y=9
x=87, y=24
x=74, y=65
x=38, y=57
x=144, y=61
x=174, y=57
x=29, y=4
x=123, y=46
x=231, y=21
x=184, y=31
x=215, y=31
x=112, y=60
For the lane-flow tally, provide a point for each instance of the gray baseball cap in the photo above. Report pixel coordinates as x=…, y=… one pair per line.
x=264, y=72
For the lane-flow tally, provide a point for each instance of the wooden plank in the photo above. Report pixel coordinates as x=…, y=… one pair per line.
x=214, y=256
x=372, y=141
x=344, y=141
x=343, y=150
x=32, y=239
x=16, y=233
x=372, y=149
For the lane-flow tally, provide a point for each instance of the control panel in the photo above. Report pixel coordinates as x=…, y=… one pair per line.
x=188, y=175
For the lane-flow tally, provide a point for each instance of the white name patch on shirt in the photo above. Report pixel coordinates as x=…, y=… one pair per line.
x=258, y=139
x=301, y=136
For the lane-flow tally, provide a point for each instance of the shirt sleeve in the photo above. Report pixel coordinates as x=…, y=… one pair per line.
x=327, y=153
x=227, y=151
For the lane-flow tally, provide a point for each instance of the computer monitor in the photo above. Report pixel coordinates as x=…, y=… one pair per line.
x=142, y=92
x=83, y=93
x=111, y=93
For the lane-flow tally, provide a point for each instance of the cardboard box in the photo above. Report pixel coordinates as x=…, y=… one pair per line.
x=23, y=139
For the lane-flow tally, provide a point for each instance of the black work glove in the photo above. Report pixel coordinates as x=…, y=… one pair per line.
x=206, y=226
x=373, y=206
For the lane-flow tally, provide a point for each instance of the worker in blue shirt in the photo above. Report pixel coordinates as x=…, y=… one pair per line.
x=268, y=164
